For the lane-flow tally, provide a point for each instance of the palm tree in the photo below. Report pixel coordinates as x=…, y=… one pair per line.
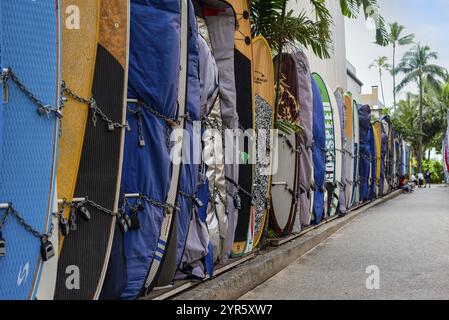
x=381, y=64
x=351, y=9
x=417, y=68
x=397, y=39
x=282, y=28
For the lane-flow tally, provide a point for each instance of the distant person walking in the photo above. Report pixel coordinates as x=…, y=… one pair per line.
x=428, y=178
x=420, y=180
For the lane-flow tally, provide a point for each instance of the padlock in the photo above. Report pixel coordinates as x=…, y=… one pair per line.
x=2, y=246
x=64, y=226
x=72, y=219
x=83, y=212
x=111, y=127
x=142, y=142
x=253, y=201
x=47, y=249
x=237, y=202
x=197, y=202
x=127, y=220
x=122, y=224
x=135, y=222
x=140, y=207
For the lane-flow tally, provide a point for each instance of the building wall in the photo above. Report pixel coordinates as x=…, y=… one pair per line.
x=355, y=89
x=332, y=70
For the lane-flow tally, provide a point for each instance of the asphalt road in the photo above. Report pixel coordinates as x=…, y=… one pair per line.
x=397, y=250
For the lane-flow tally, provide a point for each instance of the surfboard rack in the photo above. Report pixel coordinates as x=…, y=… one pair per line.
x=4, y=205
x=132, y=195
x=74, y=200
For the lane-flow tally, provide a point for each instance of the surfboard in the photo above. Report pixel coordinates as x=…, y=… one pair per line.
x=349, y=149
x=373, y=163
x=364, y=115
x=221, y=22
x=79, y=48
x=99, y=174
x=356, y=139
x=212, y=182
x=377, y=126
x=244, y=231
x=284, y=186
x=30, y=55
x=338, y=202
x=186, y=197
x=319, y=153
x=265, y=100
x=305, y=139
x=387, y=154
x=155, y=89
x=331, y=157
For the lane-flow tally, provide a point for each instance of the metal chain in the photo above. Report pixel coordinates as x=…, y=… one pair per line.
x=93, y=106
x=156, y=203
x=43, y=109
x=12, y=211
x=138, y=115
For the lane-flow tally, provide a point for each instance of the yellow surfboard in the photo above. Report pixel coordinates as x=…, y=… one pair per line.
x=79, y=48
x=378, y=139
x=263, y=88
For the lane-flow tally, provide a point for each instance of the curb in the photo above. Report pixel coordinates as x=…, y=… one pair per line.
x=247, y=276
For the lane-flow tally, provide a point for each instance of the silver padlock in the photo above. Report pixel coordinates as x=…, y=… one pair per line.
x=47, y=249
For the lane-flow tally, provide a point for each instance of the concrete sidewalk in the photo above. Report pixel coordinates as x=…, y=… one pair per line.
x=240, y=280
x=407, y=239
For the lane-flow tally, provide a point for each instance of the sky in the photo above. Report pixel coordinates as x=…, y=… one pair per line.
x=427, y=19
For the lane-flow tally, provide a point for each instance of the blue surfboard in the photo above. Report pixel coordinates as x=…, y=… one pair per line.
x=31, y=55
x=364, y=151
x=373, y=165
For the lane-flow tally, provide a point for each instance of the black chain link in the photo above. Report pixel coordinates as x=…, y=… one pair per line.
x=94, y=108
x=43, y=109
x=11, y=211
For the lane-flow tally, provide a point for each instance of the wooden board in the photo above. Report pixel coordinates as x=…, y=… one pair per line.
x=88, y=247
x=79, y=49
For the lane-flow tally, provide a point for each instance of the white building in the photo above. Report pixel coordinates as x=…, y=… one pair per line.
x=354, y=83
x=332, y=70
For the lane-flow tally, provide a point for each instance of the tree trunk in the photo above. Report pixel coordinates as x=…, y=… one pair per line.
x=382, y=86
x=394, y=77
x=420, y=138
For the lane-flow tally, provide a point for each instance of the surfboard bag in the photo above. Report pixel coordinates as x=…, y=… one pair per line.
x=188, y=188
x=373, y=164
x=364, y=151
x=383, y=163
x=319, y=154
x=206, y=236
x=221, y=23
x=153, y=80
x=342, y=196
x=306, y=138
x=284, y=213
